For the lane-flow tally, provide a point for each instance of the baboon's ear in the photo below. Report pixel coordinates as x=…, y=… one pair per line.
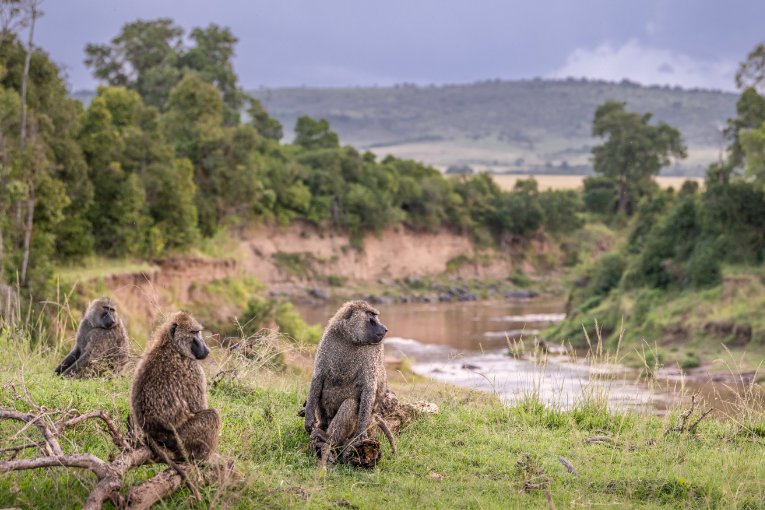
x=348, y=314
x=173, y=327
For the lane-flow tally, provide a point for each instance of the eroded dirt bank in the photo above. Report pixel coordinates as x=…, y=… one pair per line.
x=303, y=256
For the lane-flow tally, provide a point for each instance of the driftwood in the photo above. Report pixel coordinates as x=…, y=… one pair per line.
x=52, y=423
x=682, y=421
x=390, y=417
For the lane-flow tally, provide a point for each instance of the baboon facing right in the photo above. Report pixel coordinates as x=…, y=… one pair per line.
x=349, y=375
x=169, y=393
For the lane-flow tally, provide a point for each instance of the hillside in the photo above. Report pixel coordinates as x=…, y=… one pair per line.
x=541, y=126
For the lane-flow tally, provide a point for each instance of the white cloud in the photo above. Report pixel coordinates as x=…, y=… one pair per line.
x=649, y=66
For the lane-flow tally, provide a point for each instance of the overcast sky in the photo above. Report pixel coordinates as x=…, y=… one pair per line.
x=692, y=43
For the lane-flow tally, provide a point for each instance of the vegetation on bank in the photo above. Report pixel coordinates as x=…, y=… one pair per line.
x=476, y=453
x=686, y=274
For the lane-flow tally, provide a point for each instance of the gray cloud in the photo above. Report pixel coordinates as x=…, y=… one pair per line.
x=351, y=42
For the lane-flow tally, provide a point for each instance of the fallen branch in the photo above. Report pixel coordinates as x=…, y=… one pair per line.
x=110, y=475
x=682, y=420
x=606, y=440
x=569, y=467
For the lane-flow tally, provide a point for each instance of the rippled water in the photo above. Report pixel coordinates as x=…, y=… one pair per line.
x=466, y=344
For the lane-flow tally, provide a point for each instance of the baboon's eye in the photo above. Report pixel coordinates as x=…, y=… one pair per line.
x=371, y=319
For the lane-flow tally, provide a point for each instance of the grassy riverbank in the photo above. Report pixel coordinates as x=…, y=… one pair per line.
x=475, y=454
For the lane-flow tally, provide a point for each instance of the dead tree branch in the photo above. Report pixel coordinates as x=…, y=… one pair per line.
x=682, y=420
x=110, y=475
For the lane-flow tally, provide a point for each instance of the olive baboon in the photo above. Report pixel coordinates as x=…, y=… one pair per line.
x=169, y=394
x=101, y=344
x=348, y=376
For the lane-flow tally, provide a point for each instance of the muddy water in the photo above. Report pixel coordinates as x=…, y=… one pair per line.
x=466, y=344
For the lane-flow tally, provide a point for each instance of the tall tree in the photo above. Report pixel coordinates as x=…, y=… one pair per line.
x=634, y=150
x=751, y=72
x=315, y=134
x=211, y=58
x=33, y=12
x=143, y=57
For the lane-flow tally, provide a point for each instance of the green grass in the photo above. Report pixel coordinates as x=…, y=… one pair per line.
x=98, y=267
x=677, y=321
x=476, y=453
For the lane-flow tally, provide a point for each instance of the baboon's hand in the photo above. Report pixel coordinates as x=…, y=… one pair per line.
x=308, y=424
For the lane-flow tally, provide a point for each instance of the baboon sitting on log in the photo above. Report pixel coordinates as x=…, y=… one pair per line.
x=348, y=379
x=101, y=345
x=169, y=394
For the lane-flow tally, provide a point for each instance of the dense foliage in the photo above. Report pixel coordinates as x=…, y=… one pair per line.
x=677, y=241
x=162, y=157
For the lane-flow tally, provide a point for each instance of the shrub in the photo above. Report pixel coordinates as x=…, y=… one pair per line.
x=703, y=268
x=561, y=210
x=607, y=274
x=600, y=195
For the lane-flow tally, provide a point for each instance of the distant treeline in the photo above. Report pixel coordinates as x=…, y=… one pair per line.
x=171, y=150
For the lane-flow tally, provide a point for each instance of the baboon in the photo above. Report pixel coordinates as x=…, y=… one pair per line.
x=169, y=393
x=348, y=376
x=101, y=344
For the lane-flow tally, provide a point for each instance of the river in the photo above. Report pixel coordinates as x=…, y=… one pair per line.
x=466, y=344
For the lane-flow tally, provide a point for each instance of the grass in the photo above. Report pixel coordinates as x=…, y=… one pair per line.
x=98, y=267
x=507, y=182
x=476, y=453
x=681, y=323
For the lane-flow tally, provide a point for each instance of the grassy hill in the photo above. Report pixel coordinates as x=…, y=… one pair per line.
x=541, y=126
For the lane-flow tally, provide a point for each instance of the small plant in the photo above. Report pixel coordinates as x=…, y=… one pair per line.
x=515, y=348
x=519, y=279
x=653, y=360
x=335, y=280
x=689, y=361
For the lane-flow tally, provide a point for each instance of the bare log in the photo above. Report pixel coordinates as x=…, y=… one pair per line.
x=110, y=475
x=154, y=490
x=109, y=485
x=84, y=461
x=117, y=437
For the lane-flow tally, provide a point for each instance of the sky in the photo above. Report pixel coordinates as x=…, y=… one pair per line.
x=332, y=43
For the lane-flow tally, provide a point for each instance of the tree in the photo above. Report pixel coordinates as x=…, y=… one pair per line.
x=174, y=194
x=634, y=150
x=211, y=59
x=315, y=134
x=751, y=72
x=267, y=126
x=32, y=7
x=750, y=114
x=143, y=57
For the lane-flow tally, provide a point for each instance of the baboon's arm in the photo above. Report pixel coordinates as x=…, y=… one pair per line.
x=314, y=393
x=68, y=360
x=365, y=409
x=81, y=362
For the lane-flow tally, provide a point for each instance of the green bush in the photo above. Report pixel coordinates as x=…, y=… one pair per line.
x=561, y=210
x=607, y=274
x=703, y=268
x=689, y=361
x=600, y=195
x=291, y=324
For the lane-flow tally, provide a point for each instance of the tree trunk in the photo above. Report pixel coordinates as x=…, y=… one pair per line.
x=623, y=197
x=22, y=141
x=25, y=75
x=27, y=236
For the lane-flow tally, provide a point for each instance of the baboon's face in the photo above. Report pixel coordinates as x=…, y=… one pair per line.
x=187, y=337
x=103, y=314
x=373, y=330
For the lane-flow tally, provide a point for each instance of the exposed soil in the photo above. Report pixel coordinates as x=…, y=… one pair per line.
x=395, y=253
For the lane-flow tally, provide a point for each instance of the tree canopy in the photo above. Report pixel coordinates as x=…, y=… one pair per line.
x=634, y=150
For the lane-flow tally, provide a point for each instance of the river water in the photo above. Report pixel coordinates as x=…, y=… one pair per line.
x=466, y=344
